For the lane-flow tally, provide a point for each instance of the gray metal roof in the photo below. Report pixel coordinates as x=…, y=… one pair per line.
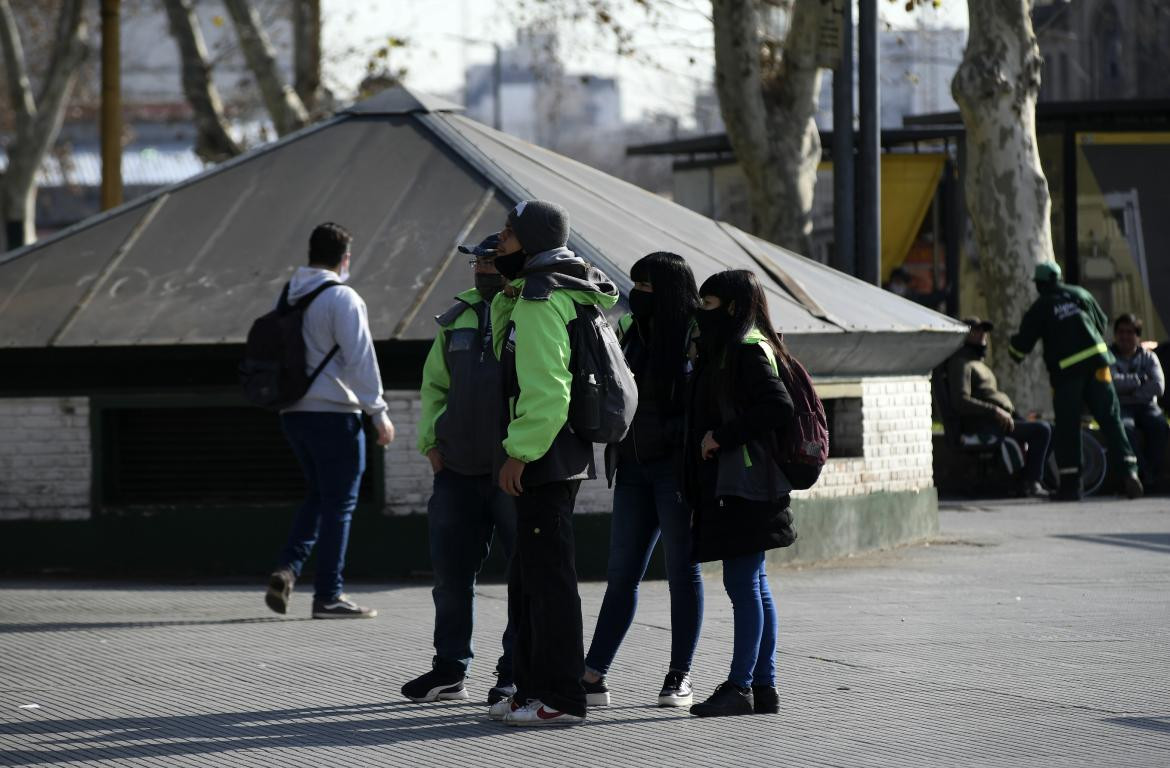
x=196, y=262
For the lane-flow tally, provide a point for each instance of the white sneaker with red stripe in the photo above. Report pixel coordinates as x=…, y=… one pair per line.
x=502, y=708
x=537, y=713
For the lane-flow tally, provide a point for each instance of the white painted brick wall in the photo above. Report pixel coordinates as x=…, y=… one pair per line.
x=896, y=443
x=45, y=454
x=44, y=459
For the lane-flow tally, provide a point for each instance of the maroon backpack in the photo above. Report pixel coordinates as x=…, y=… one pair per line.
x=803, y=448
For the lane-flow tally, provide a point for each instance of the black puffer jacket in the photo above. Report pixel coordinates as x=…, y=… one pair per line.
x=728, y=524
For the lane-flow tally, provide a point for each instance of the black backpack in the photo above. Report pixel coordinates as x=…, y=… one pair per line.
x=604, y=395
x=272, y=372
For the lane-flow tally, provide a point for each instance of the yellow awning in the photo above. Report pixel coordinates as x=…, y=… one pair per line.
x=908, y=186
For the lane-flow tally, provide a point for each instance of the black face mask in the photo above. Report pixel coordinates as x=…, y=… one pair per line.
x=714, y=325
x=641, y=304
x=509, y=265
x=489, y=285
x=980, y=350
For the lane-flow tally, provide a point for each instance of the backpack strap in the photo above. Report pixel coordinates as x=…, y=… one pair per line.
x=301, y=306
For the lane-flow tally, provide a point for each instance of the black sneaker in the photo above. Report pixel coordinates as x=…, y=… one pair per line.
x=728, y=699
x=676, y=690
x=503, y=689
x=765, y=700
x=435, y=686
x=341, y=607
x=596, y=694
x=280, y=586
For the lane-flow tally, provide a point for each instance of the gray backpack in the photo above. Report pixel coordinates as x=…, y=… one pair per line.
x=604, y=394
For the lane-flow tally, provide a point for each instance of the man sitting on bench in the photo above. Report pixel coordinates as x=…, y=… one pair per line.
x=984, y=409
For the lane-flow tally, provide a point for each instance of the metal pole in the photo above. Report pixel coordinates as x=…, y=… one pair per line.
x=869, y=245
x=497, y=74
x=954, y=228
x=111, y=112
x=1072, y=258
x=844, y=224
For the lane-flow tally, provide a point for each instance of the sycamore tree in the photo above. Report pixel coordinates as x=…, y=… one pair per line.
x=767, y=78
x=996, y=87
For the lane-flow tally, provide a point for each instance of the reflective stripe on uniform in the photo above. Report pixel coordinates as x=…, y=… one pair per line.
x=1069, y=470
x=1084, y=354
x=1015, y=352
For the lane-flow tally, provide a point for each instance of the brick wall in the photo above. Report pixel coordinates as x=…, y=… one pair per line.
x=896, y=442
x=45, y=453
x=894, y=424
x=44, y=458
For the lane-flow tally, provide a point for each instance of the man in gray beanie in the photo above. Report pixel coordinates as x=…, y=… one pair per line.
x=535, y=228
x=544, y=460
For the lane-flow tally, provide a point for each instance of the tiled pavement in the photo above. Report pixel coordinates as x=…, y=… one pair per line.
x=1027, y=635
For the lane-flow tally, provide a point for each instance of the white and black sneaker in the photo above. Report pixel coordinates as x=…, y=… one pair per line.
x=341, y=607
x=435, y=686
x=676, y=690
x=596, y=694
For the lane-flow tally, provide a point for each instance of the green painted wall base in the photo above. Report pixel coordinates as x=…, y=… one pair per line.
x=216, y=543
x=831, y=528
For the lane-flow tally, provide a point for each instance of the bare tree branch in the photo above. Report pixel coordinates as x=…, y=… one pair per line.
x=19, y=89
x=284, y=106
x=30, y=144
x=213, y=143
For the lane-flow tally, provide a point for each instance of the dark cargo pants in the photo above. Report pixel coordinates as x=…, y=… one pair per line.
x=1089, y=385
x=544, y=605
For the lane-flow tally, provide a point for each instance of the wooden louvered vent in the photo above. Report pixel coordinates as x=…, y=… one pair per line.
x=215, y=456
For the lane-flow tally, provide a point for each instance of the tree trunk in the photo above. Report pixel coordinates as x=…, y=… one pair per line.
x=996, y=87
x=307, y=52
x=768, y=104
x=284, y=106
x=37, y=120
x=213, y=143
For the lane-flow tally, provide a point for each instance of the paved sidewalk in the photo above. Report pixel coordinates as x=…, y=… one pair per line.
x=1028, y=634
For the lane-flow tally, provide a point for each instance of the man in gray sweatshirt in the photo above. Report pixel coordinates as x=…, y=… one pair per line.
x=324, y=427
x=1138, y=379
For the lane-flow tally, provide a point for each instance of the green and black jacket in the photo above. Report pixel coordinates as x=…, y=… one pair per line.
x=1071, y=325
x=531, y=336
x=460, y=389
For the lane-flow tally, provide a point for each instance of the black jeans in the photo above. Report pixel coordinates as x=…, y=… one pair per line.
x=544, y=606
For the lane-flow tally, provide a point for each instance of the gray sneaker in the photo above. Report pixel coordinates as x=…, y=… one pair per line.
x=341, y=608
x=280, y=586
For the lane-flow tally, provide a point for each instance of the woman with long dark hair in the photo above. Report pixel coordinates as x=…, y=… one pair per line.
x=648, y=501
x=739, y=494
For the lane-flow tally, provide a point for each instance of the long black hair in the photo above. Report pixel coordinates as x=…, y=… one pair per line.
x=675, y=300
x=741, y=295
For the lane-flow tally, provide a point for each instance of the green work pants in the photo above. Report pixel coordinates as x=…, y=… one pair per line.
x=1073, y=389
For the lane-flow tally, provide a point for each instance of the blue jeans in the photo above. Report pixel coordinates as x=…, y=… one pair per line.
x=753, y=650
x=331, y=450
x=647, y=502
x=462, y=515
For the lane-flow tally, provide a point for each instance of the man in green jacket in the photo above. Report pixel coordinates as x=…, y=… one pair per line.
x=544, y=460
x=459, y=431
x=1071, y=325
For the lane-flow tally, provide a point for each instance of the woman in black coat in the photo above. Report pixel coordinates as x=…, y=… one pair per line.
x=738, y=494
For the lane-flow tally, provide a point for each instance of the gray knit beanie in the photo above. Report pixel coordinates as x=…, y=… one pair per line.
x=539, y=225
